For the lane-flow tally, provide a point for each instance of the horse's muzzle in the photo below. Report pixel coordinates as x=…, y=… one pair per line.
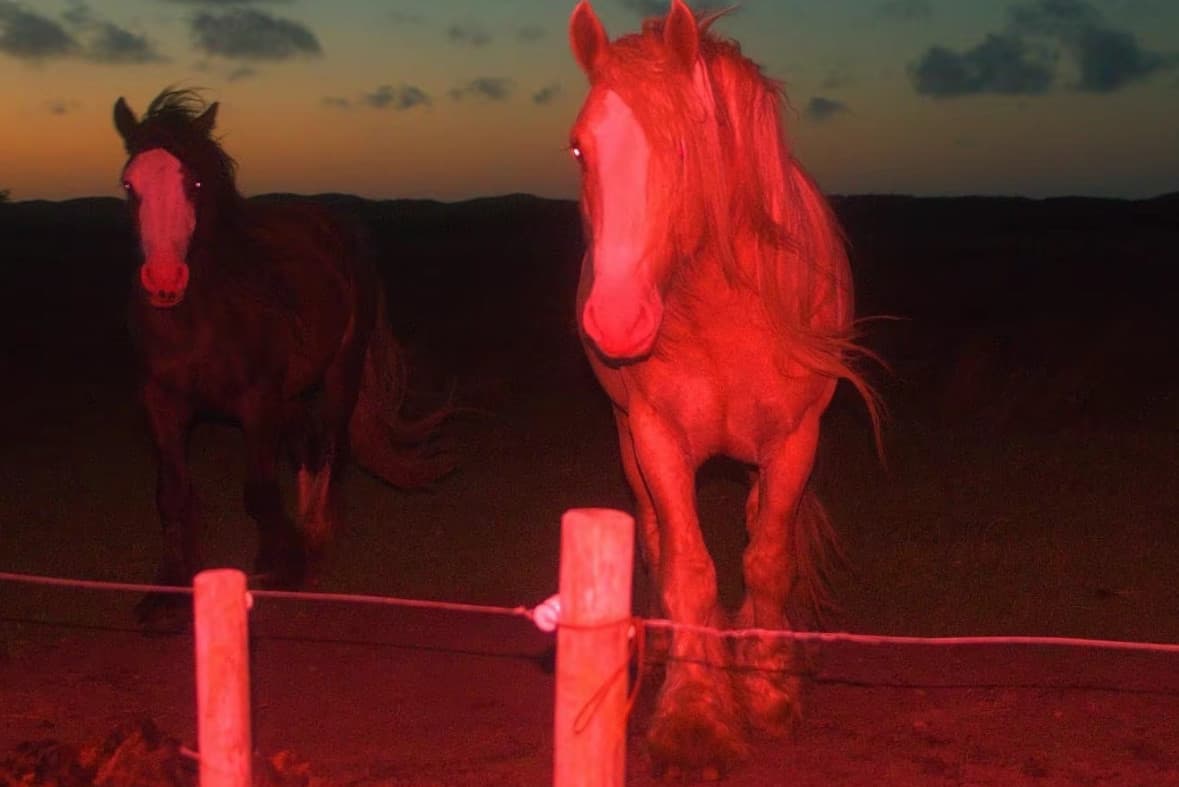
x=622, y=328
x=164, y=283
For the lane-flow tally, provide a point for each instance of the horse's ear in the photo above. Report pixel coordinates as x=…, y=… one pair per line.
x=125, y=121
x=681, y=34
x=205, y=121
x=587, y=37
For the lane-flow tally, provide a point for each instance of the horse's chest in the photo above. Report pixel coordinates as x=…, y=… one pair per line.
x=731, y=400
x=222, y=369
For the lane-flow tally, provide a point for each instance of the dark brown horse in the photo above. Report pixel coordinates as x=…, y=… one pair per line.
x=268, y=313
x=716, y=309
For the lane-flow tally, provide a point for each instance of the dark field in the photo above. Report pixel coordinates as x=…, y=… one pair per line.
x=1031, y=488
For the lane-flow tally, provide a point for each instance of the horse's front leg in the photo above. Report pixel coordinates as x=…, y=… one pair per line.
x=781, y=523
x=645, y=520
x=169, y=418
x=281, y=560
x=696, y=727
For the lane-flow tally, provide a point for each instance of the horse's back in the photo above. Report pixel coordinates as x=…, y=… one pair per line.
x=305, y=238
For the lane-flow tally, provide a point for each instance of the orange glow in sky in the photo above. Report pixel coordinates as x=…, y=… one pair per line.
x=453, y=99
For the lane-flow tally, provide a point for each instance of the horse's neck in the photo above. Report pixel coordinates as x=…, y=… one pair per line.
x=222, y=229
x=701, y=289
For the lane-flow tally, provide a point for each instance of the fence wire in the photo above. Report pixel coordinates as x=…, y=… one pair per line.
x=542, y=616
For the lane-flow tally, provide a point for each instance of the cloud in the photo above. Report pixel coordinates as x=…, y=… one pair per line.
x=113, y=44
x=252, y=35
x=31, y=36
x=1002, y=64
x=1111, y=59
x=1107, y=58
x=1052, y=17
x=107, y=42
x=469, y=34
x=406, y=18
x=546, y=94
x=1027, y=56
x=491, y=88
x=659, y=7
x=820, y=109
x=399, y=98
x=240, y=73
x=60, y=106
x=903, y=10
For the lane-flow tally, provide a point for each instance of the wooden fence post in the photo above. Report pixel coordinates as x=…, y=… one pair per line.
x=223, y=678
x=593, y=654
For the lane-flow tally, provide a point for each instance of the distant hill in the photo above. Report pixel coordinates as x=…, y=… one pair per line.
x=1041, y=309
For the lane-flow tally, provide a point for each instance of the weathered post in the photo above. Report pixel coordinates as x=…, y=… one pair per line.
x=597, y=556
x=223, y=678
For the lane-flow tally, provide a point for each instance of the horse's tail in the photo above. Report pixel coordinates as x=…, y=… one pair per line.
x=816, y=549
x=400, y=450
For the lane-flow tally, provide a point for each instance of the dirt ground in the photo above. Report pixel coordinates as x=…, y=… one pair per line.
x=1030, y=490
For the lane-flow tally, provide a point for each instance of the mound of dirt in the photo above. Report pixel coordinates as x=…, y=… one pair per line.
x=135, y=754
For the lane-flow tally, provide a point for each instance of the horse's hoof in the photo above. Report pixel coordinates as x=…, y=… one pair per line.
x=164, y=613
x=286, y=571
x=773, y=710
x=768, y=687
x=695, y=735
x=674, y=774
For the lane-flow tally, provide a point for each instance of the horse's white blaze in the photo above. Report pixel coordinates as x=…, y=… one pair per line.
x=622, y=156
x=166, y=219
x=623, y=310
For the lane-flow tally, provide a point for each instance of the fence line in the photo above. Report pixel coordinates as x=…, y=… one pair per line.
x=545, y=614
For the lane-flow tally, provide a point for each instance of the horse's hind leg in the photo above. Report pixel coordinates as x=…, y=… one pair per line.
x=169, y=420
x=767, y=675
x=281, y=559
x=696, y=725
x=315, y=482
x=319, y=474
x=304, y=433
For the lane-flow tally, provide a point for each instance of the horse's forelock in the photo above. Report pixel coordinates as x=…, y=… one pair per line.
x=171, y=123
x=200, y=154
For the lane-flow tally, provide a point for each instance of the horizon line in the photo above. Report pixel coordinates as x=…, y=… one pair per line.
x=529, y=195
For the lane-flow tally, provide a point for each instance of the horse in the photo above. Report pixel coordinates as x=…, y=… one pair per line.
x=271, y=314
x=715, y=306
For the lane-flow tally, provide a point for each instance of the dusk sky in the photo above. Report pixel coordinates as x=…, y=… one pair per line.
x=452, y=99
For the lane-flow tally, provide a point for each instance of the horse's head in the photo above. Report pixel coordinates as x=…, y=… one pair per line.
x=633, y=140
x=173, y=167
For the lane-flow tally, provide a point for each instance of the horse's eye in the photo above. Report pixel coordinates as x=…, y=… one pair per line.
x=575, y=151
x=196, y=184
x=127, y=186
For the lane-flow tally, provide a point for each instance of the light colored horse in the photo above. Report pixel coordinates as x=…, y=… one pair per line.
x=715, y=305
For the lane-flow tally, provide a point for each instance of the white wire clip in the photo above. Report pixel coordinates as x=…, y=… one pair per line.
x=547, y=614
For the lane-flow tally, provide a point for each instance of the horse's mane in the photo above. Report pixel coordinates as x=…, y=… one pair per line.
x=169, y=123
x=726, y=185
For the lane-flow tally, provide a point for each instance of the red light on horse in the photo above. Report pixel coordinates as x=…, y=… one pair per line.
x=715, y=304
x=269, y=313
